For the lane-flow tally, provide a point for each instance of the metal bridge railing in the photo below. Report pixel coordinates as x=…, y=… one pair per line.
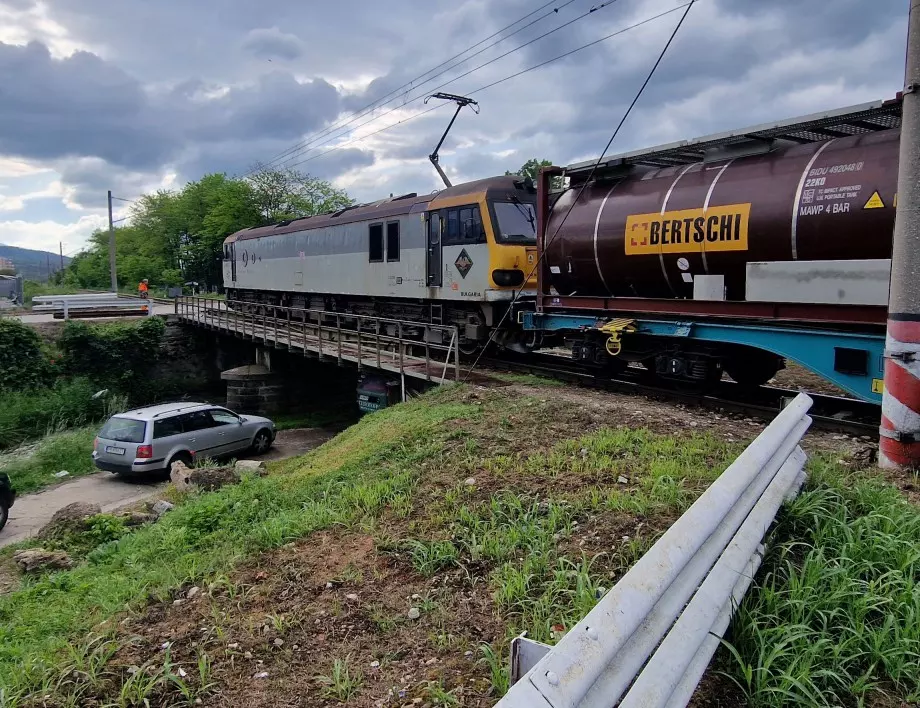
x=380, y=342
x=85, y=304
x=651, y=637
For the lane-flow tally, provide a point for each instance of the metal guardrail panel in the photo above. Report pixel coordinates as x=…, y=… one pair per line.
x=649, y=640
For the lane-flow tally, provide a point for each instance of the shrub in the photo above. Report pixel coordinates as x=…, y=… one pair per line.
x=116, y=355
x=30, y=414
x=22, y=361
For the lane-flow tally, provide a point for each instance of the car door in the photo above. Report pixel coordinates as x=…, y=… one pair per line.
x=234, y=436
x=201, y=435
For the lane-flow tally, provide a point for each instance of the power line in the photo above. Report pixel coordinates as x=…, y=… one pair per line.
x=594, y=9
x=587, y=181
x=495, y=83
x=382, y=102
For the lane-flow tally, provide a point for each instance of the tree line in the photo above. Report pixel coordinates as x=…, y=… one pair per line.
x=176, y=237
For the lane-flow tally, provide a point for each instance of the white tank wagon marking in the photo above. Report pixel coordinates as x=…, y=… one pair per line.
x=712, y=188
x=597, y=222
x=664, y=208
x=798, y=197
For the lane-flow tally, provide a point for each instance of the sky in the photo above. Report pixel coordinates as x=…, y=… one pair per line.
x=136, y=96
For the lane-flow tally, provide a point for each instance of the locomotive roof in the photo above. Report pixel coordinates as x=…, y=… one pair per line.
x=382, y=209
x=758, y=139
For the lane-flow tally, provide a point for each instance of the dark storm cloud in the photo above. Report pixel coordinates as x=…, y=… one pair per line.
x=81, y=105
x=211, y=101
x=272, y=43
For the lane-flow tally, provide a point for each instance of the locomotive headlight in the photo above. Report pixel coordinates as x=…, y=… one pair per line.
x=507, y=278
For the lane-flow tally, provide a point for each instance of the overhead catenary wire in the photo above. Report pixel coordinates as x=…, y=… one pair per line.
x=392, y=95
x=622, y=30
x=428, y=91
x=687, y=6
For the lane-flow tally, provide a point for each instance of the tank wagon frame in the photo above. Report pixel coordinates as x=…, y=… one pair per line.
x=830, y=317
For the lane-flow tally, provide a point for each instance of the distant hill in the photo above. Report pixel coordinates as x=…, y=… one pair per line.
x=33, y=265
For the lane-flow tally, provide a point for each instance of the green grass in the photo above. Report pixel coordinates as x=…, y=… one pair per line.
x=70, y=450
x=343, y=482
x=28, y=415
x=834, y=615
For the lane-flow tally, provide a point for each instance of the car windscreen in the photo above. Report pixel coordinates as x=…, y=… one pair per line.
x=517, y=222
x=124, y=430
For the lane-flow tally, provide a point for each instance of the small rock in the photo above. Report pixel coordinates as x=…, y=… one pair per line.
x=34, y=559
x=61, y=474
x=431, y=662
x=295, y=647
x=161, y=507
x=375, y=664
x=182, y=673
x=351, y=596
x=622, y=480
x=279, y=642
x=178, y=601
x=137, y=518
x=247, y=654
x=249, y=464
x=69, y=518
x=416, y=596
x=233, y=645
x=414, y=613
x=467, y=653
x=469, y=481
x=192, y=592
x=599, y=592
x=261, y=675
x=329, y=586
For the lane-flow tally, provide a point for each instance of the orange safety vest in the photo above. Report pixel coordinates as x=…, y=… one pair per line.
x=142, y=287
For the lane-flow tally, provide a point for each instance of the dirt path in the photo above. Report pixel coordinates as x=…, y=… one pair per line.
x=32, y=511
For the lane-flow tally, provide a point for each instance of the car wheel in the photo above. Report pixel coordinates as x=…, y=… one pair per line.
x=181, y=457
x=261, y=442
x=4, y=514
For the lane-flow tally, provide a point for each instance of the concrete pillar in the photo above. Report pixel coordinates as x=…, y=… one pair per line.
x=254, y=389
x=899, y=445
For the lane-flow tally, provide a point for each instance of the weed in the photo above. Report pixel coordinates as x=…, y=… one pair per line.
x=429, y=557
x=440, y=696
x=343, y=682
x=498, y=670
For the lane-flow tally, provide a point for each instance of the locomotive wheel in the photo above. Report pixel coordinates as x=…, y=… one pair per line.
x=753, y=369
x=469, y=347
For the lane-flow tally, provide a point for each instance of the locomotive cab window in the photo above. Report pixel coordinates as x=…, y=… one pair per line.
x=375, y=243
x=515, y=221
x=392, y=241
x=462, y=226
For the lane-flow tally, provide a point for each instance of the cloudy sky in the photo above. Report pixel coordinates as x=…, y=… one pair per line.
x=136, y=95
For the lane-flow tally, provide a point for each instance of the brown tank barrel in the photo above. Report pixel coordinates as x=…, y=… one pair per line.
x=649, y=234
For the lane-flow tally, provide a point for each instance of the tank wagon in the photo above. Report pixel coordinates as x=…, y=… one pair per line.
x=456, y=256
x=731, y=252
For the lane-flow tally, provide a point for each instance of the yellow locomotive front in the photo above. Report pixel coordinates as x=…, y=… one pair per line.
x=481, y=240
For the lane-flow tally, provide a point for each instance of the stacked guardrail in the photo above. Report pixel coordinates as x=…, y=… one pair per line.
x=651, y=637
x=88, y=304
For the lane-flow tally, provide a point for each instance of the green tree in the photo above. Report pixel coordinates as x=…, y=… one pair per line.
x=177, y=236
x=532, y=168
x=283, y=194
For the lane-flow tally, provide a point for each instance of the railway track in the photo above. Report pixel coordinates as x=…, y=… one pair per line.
x=837, y=413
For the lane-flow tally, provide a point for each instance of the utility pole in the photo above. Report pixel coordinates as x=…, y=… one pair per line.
x=114, y=287
x=899, y=444
x=61, y=247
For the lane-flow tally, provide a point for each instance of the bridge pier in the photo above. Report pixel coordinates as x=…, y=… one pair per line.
x=253, y=388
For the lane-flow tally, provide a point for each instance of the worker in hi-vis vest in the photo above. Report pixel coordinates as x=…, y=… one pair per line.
x=142, y=288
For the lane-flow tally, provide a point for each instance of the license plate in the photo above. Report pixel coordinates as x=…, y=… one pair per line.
x=115, y=450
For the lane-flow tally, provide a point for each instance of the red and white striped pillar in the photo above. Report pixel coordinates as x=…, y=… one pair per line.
x=899, y=444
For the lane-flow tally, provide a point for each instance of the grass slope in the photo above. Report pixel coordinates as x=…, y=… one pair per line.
x=35, y=467
x=489, y=513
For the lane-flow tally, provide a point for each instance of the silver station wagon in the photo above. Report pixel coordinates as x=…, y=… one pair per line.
x=150, y=439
